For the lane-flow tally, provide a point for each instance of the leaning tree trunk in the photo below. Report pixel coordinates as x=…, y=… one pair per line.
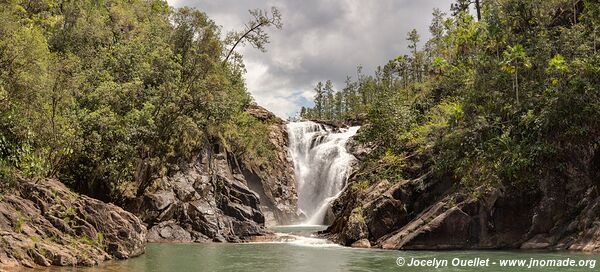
x=517, y=85
x=478, y=8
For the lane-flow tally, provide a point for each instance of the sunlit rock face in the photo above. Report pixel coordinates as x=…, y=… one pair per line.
x=44, y=223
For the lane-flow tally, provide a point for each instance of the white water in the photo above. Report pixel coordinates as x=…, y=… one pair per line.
x=321, y=166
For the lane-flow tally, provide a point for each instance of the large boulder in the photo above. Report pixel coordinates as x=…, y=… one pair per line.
x=356, y=229
x=43, y=223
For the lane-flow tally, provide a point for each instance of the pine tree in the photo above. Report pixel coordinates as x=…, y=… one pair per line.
x=319, y=100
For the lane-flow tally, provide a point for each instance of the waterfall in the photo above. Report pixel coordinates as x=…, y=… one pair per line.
x=321, y=165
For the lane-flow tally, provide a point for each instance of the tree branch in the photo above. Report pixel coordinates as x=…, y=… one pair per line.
x=244, y=37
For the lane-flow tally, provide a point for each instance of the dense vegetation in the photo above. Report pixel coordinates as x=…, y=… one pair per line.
x=107, y=95
x=500, y=101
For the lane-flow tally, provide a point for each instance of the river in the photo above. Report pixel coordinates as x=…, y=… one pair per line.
x=312, y=254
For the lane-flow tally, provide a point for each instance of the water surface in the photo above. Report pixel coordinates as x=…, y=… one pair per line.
x=294, y=257
x=313, y=254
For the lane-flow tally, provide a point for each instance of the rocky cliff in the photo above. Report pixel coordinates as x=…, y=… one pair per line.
x=219, y=197
x=276, y=185
x=44, y=223
x=436, y=213
x=208, y=201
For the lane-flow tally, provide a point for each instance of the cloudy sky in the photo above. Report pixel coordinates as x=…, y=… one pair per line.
x=320, y=40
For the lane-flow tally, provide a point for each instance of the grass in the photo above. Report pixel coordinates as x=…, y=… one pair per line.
x=20, y=223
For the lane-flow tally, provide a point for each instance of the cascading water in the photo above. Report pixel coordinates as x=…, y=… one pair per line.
x=321, y=165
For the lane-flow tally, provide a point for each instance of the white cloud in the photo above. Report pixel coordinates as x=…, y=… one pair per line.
x=320, y=40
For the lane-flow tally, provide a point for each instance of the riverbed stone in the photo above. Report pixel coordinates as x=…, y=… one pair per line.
x=168, y=231
x=383, y=215
x=356, y=229
x=362, y=243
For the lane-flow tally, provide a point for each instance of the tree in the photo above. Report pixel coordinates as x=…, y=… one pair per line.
x=253, y=32
x=329, y=100
x=463, y=6
x=339, y=107
x=460, y=6
x=478, y=9
x=515, y=58
x=458, y=122
x=110, y=95
x=437, y=29
x=319, y=99
x=351, y=98
x=414, y=38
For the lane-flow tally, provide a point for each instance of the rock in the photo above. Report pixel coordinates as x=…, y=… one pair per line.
x=428, y=213
x=433, y=213
x=276, y=185
x=264, y=238
x=449, y=230
x=588, y=241
x=62, y=259
x=356, y=228
x=38, y=258
x=282, y=238
x=362, y=243
x=384, y=215
x=537, y=242
x=386, y=207
x=43, y=223
x=359, y=150
x=198, y=206
x=168, y=231
x=262, y=114
x=218, y=197
x=162, y=199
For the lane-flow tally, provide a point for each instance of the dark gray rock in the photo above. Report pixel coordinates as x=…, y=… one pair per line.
x=205, y=201
x=221, y=198
x=168, y=231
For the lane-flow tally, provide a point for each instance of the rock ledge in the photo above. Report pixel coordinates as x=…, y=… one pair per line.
x=43, y=223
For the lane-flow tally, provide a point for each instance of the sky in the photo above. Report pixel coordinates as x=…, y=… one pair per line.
x=320, y=40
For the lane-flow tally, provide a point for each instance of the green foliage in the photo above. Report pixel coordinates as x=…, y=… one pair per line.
x=500, y=101
x=254, y=33
x=248, y=138
x=100, y=239
x=107, y=95
x=440, y=117
x=7, y=176
x=356, y=216
x=361, y=185
x=20, y=223
x=557, y=68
